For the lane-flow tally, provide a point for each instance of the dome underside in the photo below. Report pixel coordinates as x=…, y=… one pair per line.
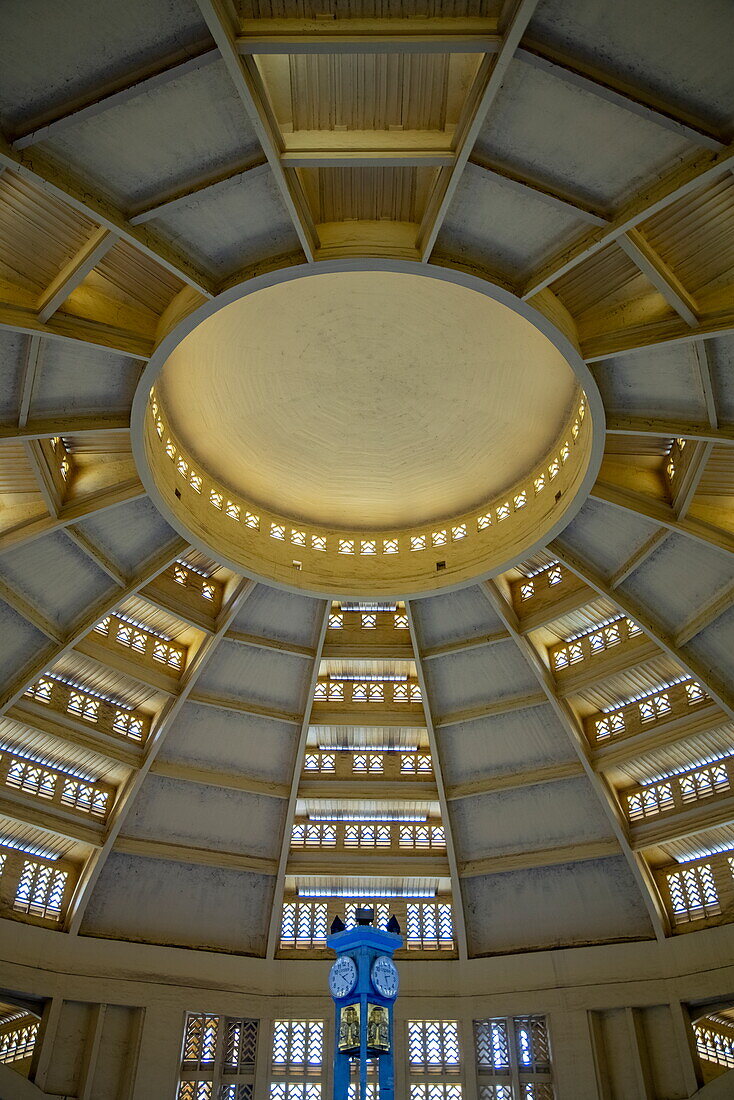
x=159, y=710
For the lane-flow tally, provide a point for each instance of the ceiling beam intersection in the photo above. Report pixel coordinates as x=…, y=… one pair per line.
x=93, y=504
x=660, y=274
x=40, y=663
x=570, y=723
x=681, y=181
x=30, y=612
x=75, y=272
x=96, y=554
x=659, y=511
x=290, y=813
x=436, y=754
x=248, y=85
x=156, y=738
x=690, y=479
x=694, y=666
x=68, y=186
x=492, y=73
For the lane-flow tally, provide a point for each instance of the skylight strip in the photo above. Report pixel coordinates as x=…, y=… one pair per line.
x=195, y=569
x=88, y=690
x=339, y=815
x=36, y=758
x=648, y=693
x=700, y=763
x=591, y=629
x=29, y=849
x=702, y=853
x=344, y=892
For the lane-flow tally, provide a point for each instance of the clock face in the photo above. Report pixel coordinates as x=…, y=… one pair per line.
x=384, y=975
x=342, y=977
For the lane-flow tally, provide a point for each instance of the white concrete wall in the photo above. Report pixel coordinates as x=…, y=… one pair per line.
x=618, y=1015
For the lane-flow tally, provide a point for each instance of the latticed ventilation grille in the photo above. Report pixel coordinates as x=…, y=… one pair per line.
x=493, y=1048
x=200, y=1041
x=298, y=1046
x=240, y=1045
x=429, y=925
x=303, y=924
x=693, y=893
x=715, y=1042
x=435, y=1091
x=513, y=1058
x=282, y=1090
x=208, y=1090
x=218, y=1052
x=531, y=1039
x=433, y=1046
x=40, y=890
x=18, y=1043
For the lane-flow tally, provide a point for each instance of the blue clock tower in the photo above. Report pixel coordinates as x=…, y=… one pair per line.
x=364, y=984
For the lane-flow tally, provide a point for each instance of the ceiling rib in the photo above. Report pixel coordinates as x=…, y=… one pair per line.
x=185, y=853
x=638, y=557
x=44, y=478
x=416, y=34
x=691, y=477
x=63, y=184
x=702, y=353
x=16, y=317
x=665, y=281
x=706, y=615
x=545, y=773
x=157, y=736
x=551, y=194
x=59, y=424
x=630, y=607
x=244, y=76
x=617, y=424
x=491, y=75
x=640, y=872
x=39, y=664
x=75, y=272
x=290, y=813
x=682, y=180
x=31, y=368
x=30, y=612
x=619, y=93
x=170, y=200
x=456, y=894
x=141, y=81
x=38, y=526
x=660, y=512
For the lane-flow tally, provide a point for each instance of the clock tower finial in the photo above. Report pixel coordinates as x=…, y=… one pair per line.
x=364, y=984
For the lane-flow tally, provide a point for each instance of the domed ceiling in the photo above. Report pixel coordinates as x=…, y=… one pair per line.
x=514, y=728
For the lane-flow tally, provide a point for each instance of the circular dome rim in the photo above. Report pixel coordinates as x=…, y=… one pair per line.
x=281, y=274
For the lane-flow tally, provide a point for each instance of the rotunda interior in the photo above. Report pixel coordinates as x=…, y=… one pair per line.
x=366, y=533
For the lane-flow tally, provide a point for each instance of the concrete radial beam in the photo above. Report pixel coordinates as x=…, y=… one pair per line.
x=570, y=723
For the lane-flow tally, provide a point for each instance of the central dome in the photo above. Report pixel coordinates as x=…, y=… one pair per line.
x=368, y=399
